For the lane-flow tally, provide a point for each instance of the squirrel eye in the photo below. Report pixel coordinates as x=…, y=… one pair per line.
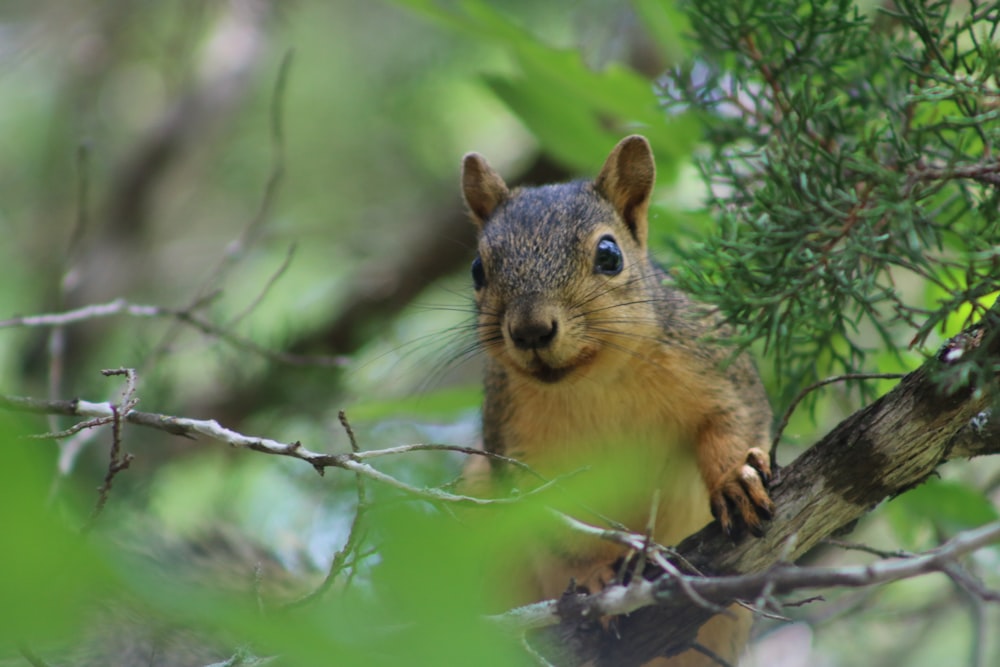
x=478, y=274
x=608, y=260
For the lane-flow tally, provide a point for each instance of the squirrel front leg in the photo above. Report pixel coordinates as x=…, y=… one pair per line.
x=737, y=475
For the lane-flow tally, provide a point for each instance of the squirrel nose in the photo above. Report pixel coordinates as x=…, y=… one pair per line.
x=533, y=334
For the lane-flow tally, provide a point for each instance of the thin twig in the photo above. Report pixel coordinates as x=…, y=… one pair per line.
x=472, y=451
x=243, y=659
x=804, y=601
x=970, y=590
x=271, y=282
x=72, y=430
x=969, y=583
x=183, y=315
x=56, y=343
x=237, y=248
x=855, y=546
x=116, y=307
x=813, y=387
x=116, y=461
x=710, y=654
x=342, y=416
x=354, y=536
x=212, y=429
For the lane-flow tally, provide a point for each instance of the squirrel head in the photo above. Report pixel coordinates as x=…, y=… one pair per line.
x=563, y=281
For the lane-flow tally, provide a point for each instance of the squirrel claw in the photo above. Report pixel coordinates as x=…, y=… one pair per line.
x=740, y=499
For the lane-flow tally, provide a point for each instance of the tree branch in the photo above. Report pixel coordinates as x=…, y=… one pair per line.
x=619, y=600
x=354, y=461
x=188, y=316
x=881, y=451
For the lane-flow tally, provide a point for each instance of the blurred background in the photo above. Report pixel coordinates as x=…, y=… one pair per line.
x=277, y=182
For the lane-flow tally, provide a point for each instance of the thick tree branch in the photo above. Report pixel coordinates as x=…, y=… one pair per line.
x=890, y=446
x=780, y=579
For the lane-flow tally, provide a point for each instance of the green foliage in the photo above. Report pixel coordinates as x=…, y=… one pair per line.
x=938, y=507
x=446, y=403
x=566, y=104
x=666, y=25
x=848, y=160
x=48, y=573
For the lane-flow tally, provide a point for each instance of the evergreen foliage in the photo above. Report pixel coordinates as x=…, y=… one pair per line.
x=851, y=162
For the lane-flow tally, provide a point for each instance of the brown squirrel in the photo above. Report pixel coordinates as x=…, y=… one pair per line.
x=594, y=359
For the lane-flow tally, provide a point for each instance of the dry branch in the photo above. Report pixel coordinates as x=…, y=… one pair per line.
x=187, y=316
x=780, y=579
x=99, y=414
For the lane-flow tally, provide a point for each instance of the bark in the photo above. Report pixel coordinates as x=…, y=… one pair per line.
x=879, y=452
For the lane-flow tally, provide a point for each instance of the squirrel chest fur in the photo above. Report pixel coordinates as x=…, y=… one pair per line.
x=595, y=362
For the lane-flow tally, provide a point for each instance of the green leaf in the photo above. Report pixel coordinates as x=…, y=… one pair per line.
x=667, y=26
x=575, y=112
x=49, y=573
x=569, y=133
x=443, y=404
x=946, y=505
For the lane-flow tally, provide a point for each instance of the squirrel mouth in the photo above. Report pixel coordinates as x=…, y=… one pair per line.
x=548, y=374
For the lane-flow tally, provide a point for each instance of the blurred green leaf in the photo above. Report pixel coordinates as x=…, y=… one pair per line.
x=666, y=24
x=438, y=577
x=950, y=506
x=570, y=133
x=48, y=571
x=446, y=403
x=575, y=112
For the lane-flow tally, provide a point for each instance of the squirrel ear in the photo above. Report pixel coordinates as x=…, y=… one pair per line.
x=483, y=188
x=626, y=180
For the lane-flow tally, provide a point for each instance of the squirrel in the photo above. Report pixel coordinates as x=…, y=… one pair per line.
x=594, y=359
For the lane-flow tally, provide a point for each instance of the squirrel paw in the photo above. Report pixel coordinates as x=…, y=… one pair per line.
x=740, y=498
